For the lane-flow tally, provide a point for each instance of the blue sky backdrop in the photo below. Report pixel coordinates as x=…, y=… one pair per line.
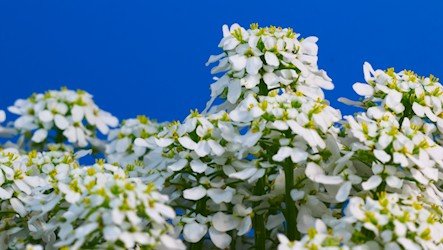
x=147, y=57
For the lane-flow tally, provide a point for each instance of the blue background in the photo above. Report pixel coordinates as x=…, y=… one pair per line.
x=147, y=57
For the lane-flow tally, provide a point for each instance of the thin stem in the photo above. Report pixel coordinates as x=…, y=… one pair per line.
x=259, y=222
x=291, y=209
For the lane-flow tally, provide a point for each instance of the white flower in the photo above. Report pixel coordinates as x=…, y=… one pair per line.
x=70, y=115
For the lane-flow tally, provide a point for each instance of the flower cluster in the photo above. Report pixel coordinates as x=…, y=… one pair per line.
x=403, y=93
x=49, y=198
x=394, y=154
x=198, y=164
x=121, y=147
x=389, y=222
x=61, y=116
x=263, y=59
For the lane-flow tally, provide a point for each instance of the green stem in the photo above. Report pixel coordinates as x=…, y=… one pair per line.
x=259, y=222
x=291, y=209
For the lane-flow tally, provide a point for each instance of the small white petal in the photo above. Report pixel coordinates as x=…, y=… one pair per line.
x=77, y=113
x=18, y=206
x=163, y=142
x=220, y=240
x=45, y=116
x=382, y=155
x=253, y=65
x=194, y=232
x=178, y=165
x=297, y=194
x=234, y=91
x=111, y=233
x=282, y=154
x=363, y=89
x=216, y=148
x=245, y=226
x=39, y=135
x=187, y=142
x=343, y=191
x=373, y=182
x=219, y=195
x=394, y=182
x=198, y=166
x=195, y=193
x=238, y=62
x=224, y=222
x=271, y=59
x=139, y=142
x=61, y=122
x=244, y=174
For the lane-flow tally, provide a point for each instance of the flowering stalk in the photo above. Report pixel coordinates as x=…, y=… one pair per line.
x=291, y=209
x=259, y=219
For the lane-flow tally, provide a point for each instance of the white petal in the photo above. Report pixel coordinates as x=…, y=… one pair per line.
x=45, y=116
x=316, y=174
x=5, y=194
x=202, y=149
x=245, y=226
x=70, y=134
x=18, y=206
x=253, y=65
x=244, y=174
x=216, y=148
x=163, y=142
x=393, y=99
x=198, y=166
x=195, y=193
x=220, y=240
x=234, y=91
x=368, y=71
x=394, y=182
x=271, y=59
x=298, y=156
x=271, y=80
x=178, y=165
x=194, y=232
x=61, y=122
x=215, y=58
x=282, y=154
x=418, y=109
x=39, y=135
x=297, y=194
x=343, y=191
x=77, y=113
x=122, y=144
x=373, y=182
x=275, y=220
x=111, y=233
x=139, y=142
x=363, y=89
x=238, y=62
x=219, y=195
x=187, y=142
x=224, y=222
x=382, y=156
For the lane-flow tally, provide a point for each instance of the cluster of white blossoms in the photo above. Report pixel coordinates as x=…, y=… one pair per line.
x=263, y=59
x=121, y=147
x=269, y=164
x=61, y=116
x=389, y=222
x=198, y=166
x=50, y=199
